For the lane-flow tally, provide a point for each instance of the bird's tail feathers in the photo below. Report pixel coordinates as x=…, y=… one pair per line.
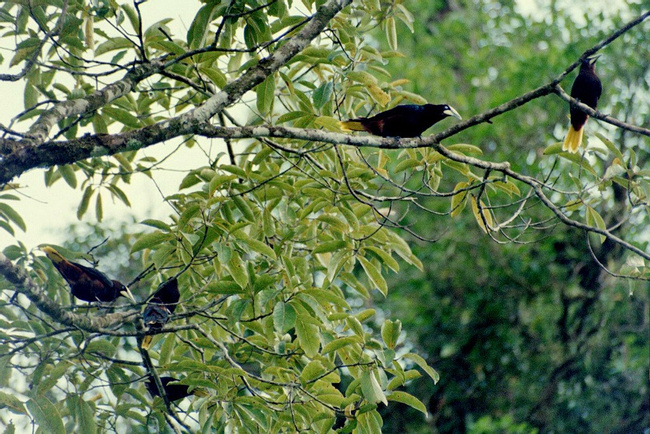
x=351, y=125
x=146, y=342
x=53, y=255
x=573, y=140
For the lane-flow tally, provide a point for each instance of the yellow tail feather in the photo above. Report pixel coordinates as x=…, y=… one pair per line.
x=53, y=255
x=573, y=140
x=146, y=342
x=351, y=126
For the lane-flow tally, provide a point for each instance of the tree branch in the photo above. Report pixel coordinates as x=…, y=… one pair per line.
x=598, y=115
x=24, y=158
x=26, y=286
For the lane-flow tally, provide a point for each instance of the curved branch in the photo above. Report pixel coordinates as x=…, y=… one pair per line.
x=24, y=158
x=41, y=128
x=28, y=156
x=26, y=286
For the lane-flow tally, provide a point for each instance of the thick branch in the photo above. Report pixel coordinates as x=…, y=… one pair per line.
x=24, y=285
x=27, y=157
x=41, y=128
x=23, y=158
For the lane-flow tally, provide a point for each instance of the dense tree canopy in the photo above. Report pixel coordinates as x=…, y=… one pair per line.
x=331, y=281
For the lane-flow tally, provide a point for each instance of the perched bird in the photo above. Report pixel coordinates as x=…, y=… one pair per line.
x=86, y=283
x=160, y=308
x=174, y=392
x=408, y=120
x=586, y=89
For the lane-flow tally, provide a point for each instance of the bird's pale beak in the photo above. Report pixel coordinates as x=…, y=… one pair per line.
x=127, y=293
x=452, y=112
x=592, y=59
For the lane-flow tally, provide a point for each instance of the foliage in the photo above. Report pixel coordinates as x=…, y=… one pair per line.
x=282, y=241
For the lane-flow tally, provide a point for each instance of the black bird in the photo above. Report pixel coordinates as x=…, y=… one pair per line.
x=586, y=89
x=88, y=284
x=174, y=392
x=160, y=308
x=407, y=120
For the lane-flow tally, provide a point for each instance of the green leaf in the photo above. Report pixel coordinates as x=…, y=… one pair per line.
x=85, y=417
x=423, y=364
x=330, y=246
x=243, y=207
x=148, y=241
x=200, y=25
x=595, y=219
x=67, y=173
x=46, y=415
x=333, y=221
x=256, y=245
x=308, y=335
x=85, y=201
x=12, y=403
x=361, y=77
x=122, y=116
x=374, y=275
x=113, y=44
x=53, y=377
x=312, y=371
x=408, y=163
x=99, y=210
x=465, y=148
x=369, y=421
x=31, y=96
x=553, y=148
x=371, y=389
x=291, y=116
x=390, y=332
x=215, y=75
x=284, y=317
x=12, y=215
x=385, y=257
x=408, y=399
x=328, y=122
x=268, y=223
x=459, y=200
x=391, y=33
x=224, y=287
x=611, y=146
x=482, y=215
x=237, y=270
x=323, y=94
x=265, y=94
x=339, y=343
x=156, y=224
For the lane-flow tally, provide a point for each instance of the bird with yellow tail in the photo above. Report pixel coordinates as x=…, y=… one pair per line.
x=160, y=308
x=408, y=120
x=586, y=89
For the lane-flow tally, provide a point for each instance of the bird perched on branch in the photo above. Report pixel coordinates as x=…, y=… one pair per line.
x=586, y=89
x=160, y=308
x=407, y=120
x=174, y=392
x=88, y=284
